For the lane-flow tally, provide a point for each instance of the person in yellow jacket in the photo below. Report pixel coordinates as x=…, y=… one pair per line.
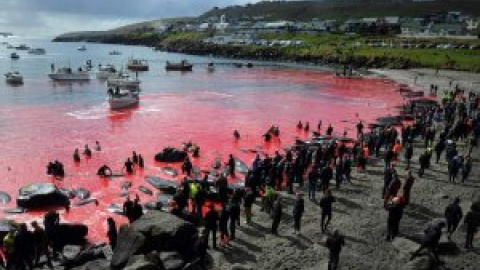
x=9, y=248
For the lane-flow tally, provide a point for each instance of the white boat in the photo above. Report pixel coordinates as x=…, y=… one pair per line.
x=105, y=72
x=37, y=51
x=14, y=55
x=123, y=80
x=137, y=65
x=115, y=52
x=123, y=98
x=82, y=48
x=67, y=74
x=14, y=78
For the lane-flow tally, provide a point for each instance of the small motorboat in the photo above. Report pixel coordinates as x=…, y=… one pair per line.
x=122, y=98
x=115, y=52
x=123, y=80
x=22, y=47
x=37, y=51
x=106, y=71
x=82, y=48
x=182, y=66
x=67, y=74
x=137, y=65
x=14, y=78
x=14, y=56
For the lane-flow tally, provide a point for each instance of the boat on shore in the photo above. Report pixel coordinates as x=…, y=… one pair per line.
x=67, y=74
x=14, y=78
x=122, y=98
x=106, y=71
x=37, y=51
x=182, y=66
x=14, y=56
x=123, y=80
x=137, y=65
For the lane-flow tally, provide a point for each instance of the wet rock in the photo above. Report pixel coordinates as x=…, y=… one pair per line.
x=166, y=232
x=129, y=243
x=172, y=261
x=140, y=262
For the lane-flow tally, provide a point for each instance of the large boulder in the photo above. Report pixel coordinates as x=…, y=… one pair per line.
x=40, y=195
x=170, y=154
x=129, y=243
x=166, y=232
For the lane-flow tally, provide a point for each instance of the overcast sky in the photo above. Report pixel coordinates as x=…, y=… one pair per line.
x=51, y=17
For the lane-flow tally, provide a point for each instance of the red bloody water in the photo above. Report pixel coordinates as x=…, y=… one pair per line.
x=33, y=135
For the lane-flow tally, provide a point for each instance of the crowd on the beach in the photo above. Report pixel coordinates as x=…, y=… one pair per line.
x=308, y=167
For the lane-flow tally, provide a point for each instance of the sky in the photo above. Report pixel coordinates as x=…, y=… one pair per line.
x=45, y=18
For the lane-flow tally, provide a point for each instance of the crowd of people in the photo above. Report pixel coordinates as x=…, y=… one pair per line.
x=435, y=129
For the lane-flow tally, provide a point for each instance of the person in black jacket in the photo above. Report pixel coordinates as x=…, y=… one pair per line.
x=326, y=205
x=247, y=204
x=211, y=224
x=40, y=243
x=334, y=244
x=234, y=206
x=430, y=240
x=276, y=215
x=408, y=154
x=453, y=215
x=112, y=232
x=223, y=226
x=325, y=176
x=24, y=248
x=472, y=221
x=395, y=213
x=298, y=210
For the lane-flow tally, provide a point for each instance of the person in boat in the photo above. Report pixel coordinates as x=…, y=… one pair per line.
x=97, y=146
x=117, y=91
x=329, y=130
x=76, y=155
x=236, y=134
x=87, y=152
x=110, y=92
x=104, y=171
x=128, y=166
x=52, y=67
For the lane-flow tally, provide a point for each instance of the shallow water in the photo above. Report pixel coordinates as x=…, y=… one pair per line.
x=43, y=121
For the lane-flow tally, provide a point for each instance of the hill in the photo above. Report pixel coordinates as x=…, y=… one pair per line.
x=342, y=9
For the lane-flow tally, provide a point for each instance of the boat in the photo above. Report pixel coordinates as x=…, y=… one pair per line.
x=67, y=74
x=14, y=55
x=122, y=98
x=82, y=48
x=115, y=52
x=10, y=46
x=105, y=72
x=123, y=80
x=14, y=78
x=182, y=66
x=137, y=65
x=37, y=51
x=22, y=47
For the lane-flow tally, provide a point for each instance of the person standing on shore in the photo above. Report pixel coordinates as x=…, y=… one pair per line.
x=334, y=244
x=223, y=226
x=430, y=241
x=472, y=223
x=112, y=232
x=276, y=215
x=453, y=215
x=40, y=243
x=395, y=213
x=298, y=209
x=247, y=204
x=408, y=154
x=211, y=224
x=407, y=187
x=326, y=205
x=312, y=182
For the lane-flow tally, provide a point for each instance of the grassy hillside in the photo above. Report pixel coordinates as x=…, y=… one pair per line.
x=343, y=9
